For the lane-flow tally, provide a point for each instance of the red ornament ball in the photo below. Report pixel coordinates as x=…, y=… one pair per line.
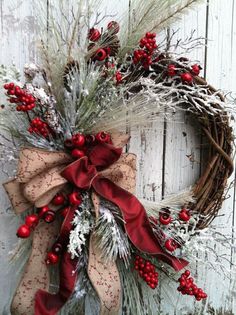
x=59, y=200
x=32, y=220
x=75, y=198
x=187, y=77
x=77, y=154
x=94, y=34
x=52, y=258
x=23, y=231
x=78, y=140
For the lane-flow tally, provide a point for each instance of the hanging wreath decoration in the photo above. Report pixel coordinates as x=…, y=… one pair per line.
x=80, y=186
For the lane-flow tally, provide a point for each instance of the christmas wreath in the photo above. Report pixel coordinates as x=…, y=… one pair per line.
x=95, y=246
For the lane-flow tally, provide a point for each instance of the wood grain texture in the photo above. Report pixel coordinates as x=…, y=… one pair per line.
x=169, y=154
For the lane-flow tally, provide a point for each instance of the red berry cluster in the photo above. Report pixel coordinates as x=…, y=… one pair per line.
x=188, y=287
x=79, y=142
x=146, y=271
x=119, y=77
x=94, y=35
x=24, y=100
x=144, y=55
x=32, y=220
x=40, y=127
x=186, y=77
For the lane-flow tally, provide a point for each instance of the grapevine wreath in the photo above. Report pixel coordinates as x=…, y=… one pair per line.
x=95, y=247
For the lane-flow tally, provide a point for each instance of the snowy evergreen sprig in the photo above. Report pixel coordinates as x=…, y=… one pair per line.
x=83, y=223
x=111, y=238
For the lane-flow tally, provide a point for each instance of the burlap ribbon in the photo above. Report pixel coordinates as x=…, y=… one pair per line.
x=37, y=182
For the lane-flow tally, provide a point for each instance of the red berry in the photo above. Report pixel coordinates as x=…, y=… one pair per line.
x=184, y=215
x=75, y=198
x=43, y=211
x=52, y=258
x=23, y=231
x=77, y=154
x=78, y=140
x=171, y=245
x=196, y=69
x=58, y=200
x=6, y=86
x=94, y=34
x=171, y=70
x=187, y=77
x=100, y=54
x=32, y=220
x=50, y=216
x=165, y=218
x=103, y=137
x=114, y=27
x=11, y=85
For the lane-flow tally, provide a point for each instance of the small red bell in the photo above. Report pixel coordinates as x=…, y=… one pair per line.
x=59, y=200
x=94, y=34
x=32, y=220
x=77, y=154
x=75, y=198
x=184, y=215
x=52, y=258
x=23, y=231
x=68, y=143
x=50, y=216
x=90, y=139
x=171, y=245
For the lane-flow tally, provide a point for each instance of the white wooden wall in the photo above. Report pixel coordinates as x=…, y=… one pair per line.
x=164, y=163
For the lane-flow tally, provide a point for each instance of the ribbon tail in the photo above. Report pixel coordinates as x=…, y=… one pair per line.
x=137, y=223
x=47, y=303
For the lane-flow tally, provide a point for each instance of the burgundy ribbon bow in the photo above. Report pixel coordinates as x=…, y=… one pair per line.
x=84, y=174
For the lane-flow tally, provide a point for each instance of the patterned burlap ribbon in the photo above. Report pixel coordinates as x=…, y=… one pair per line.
x=38, y=180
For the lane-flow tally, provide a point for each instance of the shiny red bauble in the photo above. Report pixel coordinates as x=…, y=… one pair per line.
x=165, y=218
x=196, y=69
x=23, y=231
x=171, y=245
x=52, y=258
x=94, y=34
x=114, y=27
x=43, y=211
x=32, y=220
x=77, y=154
x=50, y=216
x=103, y=137
x=59, y=200
x=78, y=140
x=187, y=77
x=184, y=215
x=75, y=198
x=100, y=54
